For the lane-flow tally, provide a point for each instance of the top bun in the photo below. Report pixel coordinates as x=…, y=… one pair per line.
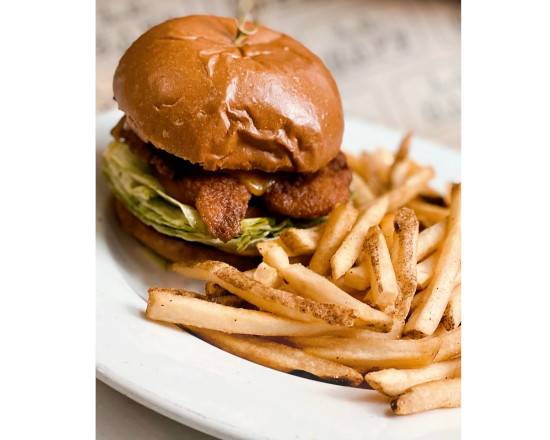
x=268, y=104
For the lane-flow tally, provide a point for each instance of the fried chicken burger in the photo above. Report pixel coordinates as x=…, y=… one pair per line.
x=225, y=141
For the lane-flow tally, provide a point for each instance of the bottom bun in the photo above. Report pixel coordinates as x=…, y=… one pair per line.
x=176, y=249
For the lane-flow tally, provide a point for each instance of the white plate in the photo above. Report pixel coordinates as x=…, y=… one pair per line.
x=200, y=385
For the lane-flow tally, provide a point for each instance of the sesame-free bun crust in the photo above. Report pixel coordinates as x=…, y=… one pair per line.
x=269, y=104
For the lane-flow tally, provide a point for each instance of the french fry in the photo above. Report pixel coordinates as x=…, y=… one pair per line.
x=384, y=290
x=393, y=382
x=381, y=161
x=317, y=287
x=399, y=173
x=357, y=164
x=427, y=315
x=273, y=253
x=431, y=395
x=401, y=166
x=348, y=252
x=424, y=273
x=279, y=302
x=180, y=307
x=404, y=258
x=366, y=354
x=337, y=226
x=301, y=241
x=428, y=213
x=267, y=275
x=409, y=189
x=386, y=224
x=357, y=278
x=452, y=315
x=404, y=149
x=425, y=270
x=280, y=357
x=361, y=194
x=429, y=240
x=450, y=345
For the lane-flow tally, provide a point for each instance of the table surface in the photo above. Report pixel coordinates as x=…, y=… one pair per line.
x=396, y=62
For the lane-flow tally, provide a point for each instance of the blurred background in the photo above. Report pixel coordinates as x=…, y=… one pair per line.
x=396, y=62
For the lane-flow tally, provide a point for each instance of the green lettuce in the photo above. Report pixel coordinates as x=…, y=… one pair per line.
x=134, y=184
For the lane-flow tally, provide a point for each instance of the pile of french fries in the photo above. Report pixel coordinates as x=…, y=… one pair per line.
x=369, y=298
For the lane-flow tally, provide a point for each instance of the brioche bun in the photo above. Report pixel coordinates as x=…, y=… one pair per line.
x=268, y=104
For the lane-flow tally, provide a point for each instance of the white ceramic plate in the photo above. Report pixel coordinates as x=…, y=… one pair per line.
x=201, y=386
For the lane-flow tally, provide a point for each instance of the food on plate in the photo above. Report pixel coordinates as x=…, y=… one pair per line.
x=384, y=290
x=426, y=317
x=348, y=297
x=393, y=382
x=280, y=357
x=431, y=395
x=226, y=140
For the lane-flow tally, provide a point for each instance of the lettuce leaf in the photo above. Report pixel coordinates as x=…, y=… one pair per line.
x=133, y=183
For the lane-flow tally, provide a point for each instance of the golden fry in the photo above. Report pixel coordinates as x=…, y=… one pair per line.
x=404, y=258
x=384, y=290
x=301, y=241
x=426, y=317
x=452, y=315
x=437, y=394
x=180, y=307
x=338, y=224
x=280, y=357
x=393, y=382
x=366, y=354
x=348, y=252
x=314, y=286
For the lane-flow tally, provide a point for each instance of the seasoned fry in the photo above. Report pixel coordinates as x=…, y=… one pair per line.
x=317, y=287
x=384, y=290
x=427, y=315
x=393, y=382
x=267, y=275
x=437, y=394
x=361, y=194
x=180, y=307
x=428, y=213
x=337, y=226
x=452, y=315
x=357, y=278
x=405, y=257
x=301, y=241
x=279, y=356
x=351, y=246
x=429, y=240
x=273, y=253
x=366, y=354
x=276, y=301
x=450, y=345
x=410, y=188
